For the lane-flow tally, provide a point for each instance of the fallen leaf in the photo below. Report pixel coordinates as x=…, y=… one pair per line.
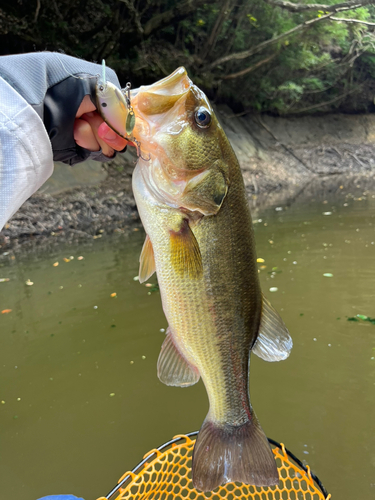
x=259, y=259
x=114, y=294
x=6, y=311
x=66, y=260
x=55, y=264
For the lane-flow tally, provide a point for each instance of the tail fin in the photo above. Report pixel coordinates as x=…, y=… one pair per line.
x=225, y=453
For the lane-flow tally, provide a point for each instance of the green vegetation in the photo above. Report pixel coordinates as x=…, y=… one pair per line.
x=256, y=55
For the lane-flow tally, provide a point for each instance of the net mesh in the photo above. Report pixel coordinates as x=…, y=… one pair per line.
x=165, y=474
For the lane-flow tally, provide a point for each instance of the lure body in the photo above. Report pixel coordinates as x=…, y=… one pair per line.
x=114, y=107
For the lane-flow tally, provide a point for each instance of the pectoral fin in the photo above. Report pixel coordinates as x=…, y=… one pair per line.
x=186, y=256
x=274, y=342
x=173, y=369
x=205, y=192
x=146, y=261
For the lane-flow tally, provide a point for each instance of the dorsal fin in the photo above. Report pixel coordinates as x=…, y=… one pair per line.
x=146, y=261
x=274, y=342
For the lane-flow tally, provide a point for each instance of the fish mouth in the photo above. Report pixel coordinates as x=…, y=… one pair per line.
x=161, y=96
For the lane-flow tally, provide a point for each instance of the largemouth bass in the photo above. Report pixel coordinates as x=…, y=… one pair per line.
x=192, y=202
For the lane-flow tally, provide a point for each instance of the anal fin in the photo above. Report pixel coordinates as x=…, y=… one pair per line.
x=173, y=369
x=274, y=342
x=146, y=261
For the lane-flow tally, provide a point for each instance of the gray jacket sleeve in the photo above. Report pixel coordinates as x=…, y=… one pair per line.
x=54, y=85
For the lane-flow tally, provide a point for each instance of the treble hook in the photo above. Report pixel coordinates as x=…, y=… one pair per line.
x=139, y=152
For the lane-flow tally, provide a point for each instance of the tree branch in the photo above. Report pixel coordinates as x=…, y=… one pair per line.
x=251, y=68
x=300, y=27
x=352, y=21
x=182, y=8
x=316, y=106
x=299, y=7
x=216, y=29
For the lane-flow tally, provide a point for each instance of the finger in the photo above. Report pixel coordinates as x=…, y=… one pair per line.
x=84, y=136
x=95, y=121
x=86, y=106
x=111, y=138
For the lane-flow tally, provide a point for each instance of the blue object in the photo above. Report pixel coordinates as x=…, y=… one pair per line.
x=60, y=497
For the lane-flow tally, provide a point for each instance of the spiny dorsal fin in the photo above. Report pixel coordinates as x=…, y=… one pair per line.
x=173, y=369
x=185, y=253
x=146, y=261
x=274, y=342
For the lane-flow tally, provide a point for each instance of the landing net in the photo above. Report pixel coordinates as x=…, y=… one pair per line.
x=165, y=474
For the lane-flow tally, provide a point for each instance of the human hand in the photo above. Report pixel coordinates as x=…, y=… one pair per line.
x=91, y=132
x=61, y=89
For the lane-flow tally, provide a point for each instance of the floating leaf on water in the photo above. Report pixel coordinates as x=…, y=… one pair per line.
x=112, y=394
x=328, y=275
x=65, y=259
x=273, y=289
x=6, y=311
x=29, y=283
x=327, y=213
x=136, y=278
x=362, y=316
x=3, y=280
x=80, y=257
x=259, y=259
x=114, y=294
x=143, y=357
x=149, y=285
x=55, y=264
x=263, y=267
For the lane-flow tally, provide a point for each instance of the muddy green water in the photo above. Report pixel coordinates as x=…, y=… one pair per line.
x=80, y=402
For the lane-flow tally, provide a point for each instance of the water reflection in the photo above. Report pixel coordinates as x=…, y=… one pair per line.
x=80, y=400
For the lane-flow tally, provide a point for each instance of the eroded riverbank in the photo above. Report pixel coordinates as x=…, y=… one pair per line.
x=284, y=161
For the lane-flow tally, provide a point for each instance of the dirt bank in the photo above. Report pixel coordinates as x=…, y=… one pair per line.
x=284, y=160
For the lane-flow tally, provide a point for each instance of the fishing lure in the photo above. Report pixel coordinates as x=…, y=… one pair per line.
x=114, y=106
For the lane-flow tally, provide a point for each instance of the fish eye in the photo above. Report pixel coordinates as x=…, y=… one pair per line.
x=202, y=117
x=101, y=88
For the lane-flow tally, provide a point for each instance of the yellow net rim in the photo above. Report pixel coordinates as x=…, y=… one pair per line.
x=150, y=479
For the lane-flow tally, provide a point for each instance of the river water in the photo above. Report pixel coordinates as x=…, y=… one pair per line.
x=80, y=402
